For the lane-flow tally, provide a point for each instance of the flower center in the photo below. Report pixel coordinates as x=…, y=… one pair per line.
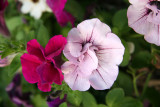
x=155, y=3
x=35, y=1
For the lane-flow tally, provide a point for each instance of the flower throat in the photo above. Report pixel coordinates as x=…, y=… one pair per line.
x=35, y=1
x=156, y=3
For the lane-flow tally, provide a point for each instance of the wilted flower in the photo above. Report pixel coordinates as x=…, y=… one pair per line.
x=62, y=16
x=3, y=28
x=15, y=93
x=7, y=60
x=144, y=18
x=39, y=66
x=34, y=7
x=94, y=54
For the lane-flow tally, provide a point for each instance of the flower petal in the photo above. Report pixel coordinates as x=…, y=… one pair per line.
x=64, y=17
x=45, y=87
x=137, y=18
x=27, y=6
x=29, y=65
x=111, y=51
x=49, y=74
x=55, y=46
x=77, y=82
x=89, y=63
x=68, y=67
x=87, y=29
x=34, y=48
x=104, y=77
x=56, y=5
x=153, y=34
x=67, y=54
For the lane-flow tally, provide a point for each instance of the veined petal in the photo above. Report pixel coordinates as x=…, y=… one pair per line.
x=49, y=74
x=104, y=77
x=34, y=48
x=76, y=81
x=29, y=65
x=137, y=18
x=86, y=29
x=55, y=46
x=153, y=34
x=88, y=63
x=138, y=1
x=111, y=51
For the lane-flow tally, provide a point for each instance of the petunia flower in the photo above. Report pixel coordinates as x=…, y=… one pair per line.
x=94, y=54
x=34, y=7
x=15, y=92
x=144, y=18
x=7, y=60
x=39, y=66
x=62, y=16
x=3, y=28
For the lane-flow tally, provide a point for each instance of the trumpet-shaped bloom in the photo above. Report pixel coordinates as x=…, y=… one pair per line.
x=3, y=28
x=94, y=54
x=34, y=7
x=39, y=66
x=144, y=18
x=62, y=16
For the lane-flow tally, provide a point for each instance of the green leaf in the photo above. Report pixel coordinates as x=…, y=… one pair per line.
x=120, y=21
x=15, y=65
x=39, y=101
x=102, y=105
x=42, y=36
x=126, y=56
x=13, y=22
x=88, y=100
x=63, y=104
x=75, y=98
x=131, y=102
x=141, y=59
x=124, y=78
x=114, y=97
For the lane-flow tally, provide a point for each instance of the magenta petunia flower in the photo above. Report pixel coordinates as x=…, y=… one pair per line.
x=62, y=16
x=144, y=18
x=39, y=66
x=94, y=54
x=3, y=28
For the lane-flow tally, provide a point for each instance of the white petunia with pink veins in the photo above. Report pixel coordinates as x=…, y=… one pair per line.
x=94, y=54
x=144, y=18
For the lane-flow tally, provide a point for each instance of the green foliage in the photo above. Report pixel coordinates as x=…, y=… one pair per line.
x=116, y=98
x=39, y=101
x=88, y=100
x=74, y=98
x=63, y=104
x=126, y=56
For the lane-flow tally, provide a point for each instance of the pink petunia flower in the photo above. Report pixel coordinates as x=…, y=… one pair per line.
x=39, y=66
x=3, y=28
x=62, y=16
x=144, y=18
x=94, y=54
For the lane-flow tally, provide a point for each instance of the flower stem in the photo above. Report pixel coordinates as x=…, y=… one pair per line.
x=135, y=86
